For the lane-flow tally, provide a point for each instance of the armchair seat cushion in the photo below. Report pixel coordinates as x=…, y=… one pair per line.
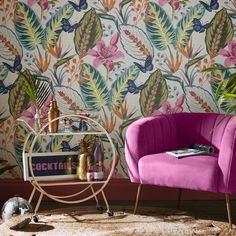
x=195, y=172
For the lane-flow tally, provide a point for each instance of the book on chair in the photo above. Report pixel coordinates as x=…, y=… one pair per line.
x=193, y=150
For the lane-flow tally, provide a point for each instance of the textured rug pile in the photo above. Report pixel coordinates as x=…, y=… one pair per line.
x=150, y=221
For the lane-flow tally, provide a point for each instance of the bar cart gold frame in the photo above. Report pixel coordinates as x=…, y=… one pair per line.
x=37, y=185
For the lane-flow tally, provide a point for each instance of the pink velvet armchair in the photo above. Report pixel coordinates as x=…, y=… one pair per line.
x=149, y=138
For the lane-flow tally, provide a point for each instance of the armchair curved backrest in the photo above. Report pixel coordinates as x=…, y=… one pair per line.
x=158, y=134
x=148, y=139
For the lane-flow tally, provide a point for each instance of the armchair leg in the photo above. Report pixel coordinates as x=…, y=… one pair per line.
x=228, y=205
x=179, y=197
x=137, y=198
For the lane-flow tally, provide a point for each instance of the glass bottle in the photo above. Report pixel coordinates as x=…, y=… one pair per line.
x=53, y=113
x=98, y=156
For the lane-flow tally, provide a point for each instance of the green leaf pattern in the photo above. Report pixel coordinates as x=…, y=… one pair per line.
x=28, y=27
x=93, y=88
x=154, y=93
x=159, y=27
x=11, y=161
x=89, y=32
x=53, y=28
x=220, y=32
x=184, y=27
x=18, y=99
x=119, y=88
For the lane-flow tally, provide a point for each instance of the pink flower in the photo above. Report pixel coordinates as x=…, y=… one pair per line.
x=30, y=113
x=42, y=3
x=105, y=55
x=168, y=109
x=174, y=3
x=230, y=54
x=162, y=3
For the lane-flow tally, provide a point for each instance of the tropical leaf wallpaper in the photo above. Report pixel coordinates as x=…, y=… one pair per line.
x=123, y=59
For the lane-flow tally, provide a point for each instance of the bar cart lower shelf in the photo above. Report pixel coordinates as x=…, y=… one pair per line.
x=88, y=189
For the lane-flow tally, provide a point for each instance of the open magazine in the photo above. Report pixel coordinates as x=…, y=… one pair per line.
x=193, y=150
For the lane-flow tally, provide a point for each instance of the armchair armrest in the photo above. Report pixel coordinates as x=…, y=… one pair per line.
x=148, y=136
x=227, y=158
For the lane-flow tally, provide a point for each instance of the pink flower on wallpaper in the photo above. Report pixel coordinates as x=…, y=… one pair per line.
x=105, y=55
x=30, y=113
x=42, y=3
x=230, y=54
x=168, y=109
x=174, y=3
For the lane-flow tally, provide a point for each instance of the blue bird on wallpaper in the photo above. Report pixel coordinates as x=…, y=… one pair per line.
x=148, y=66
x=214, y=5
x=66, y=147
x=17, y=66
x=82, y=5
x=5, y=89
x=133, y=88
x=82, y=126
x=67, y=27
x=198, y=26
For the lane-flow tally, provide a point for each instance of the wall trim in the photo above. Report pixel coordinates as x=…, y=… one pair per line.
x=116, y=190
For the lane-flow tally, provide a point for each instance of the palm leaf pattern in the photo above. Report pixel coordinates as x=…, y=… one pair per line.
x=43, y=90
x=184, y=27
x=27, y=26
x=38, y=88
x=54, y=26
x=159, y=27
x=119, y=88
x=93, y=87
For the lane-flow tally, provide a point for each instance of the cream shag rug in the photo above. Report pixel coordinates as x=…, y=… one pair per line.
x=150, y=221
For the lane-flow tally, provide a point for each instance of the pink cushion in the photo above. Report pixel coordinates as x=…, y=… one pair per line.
x=195, y=172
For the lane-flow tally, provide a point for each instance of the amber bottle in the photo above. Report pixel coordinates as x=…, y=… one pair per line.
x=52, y=114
